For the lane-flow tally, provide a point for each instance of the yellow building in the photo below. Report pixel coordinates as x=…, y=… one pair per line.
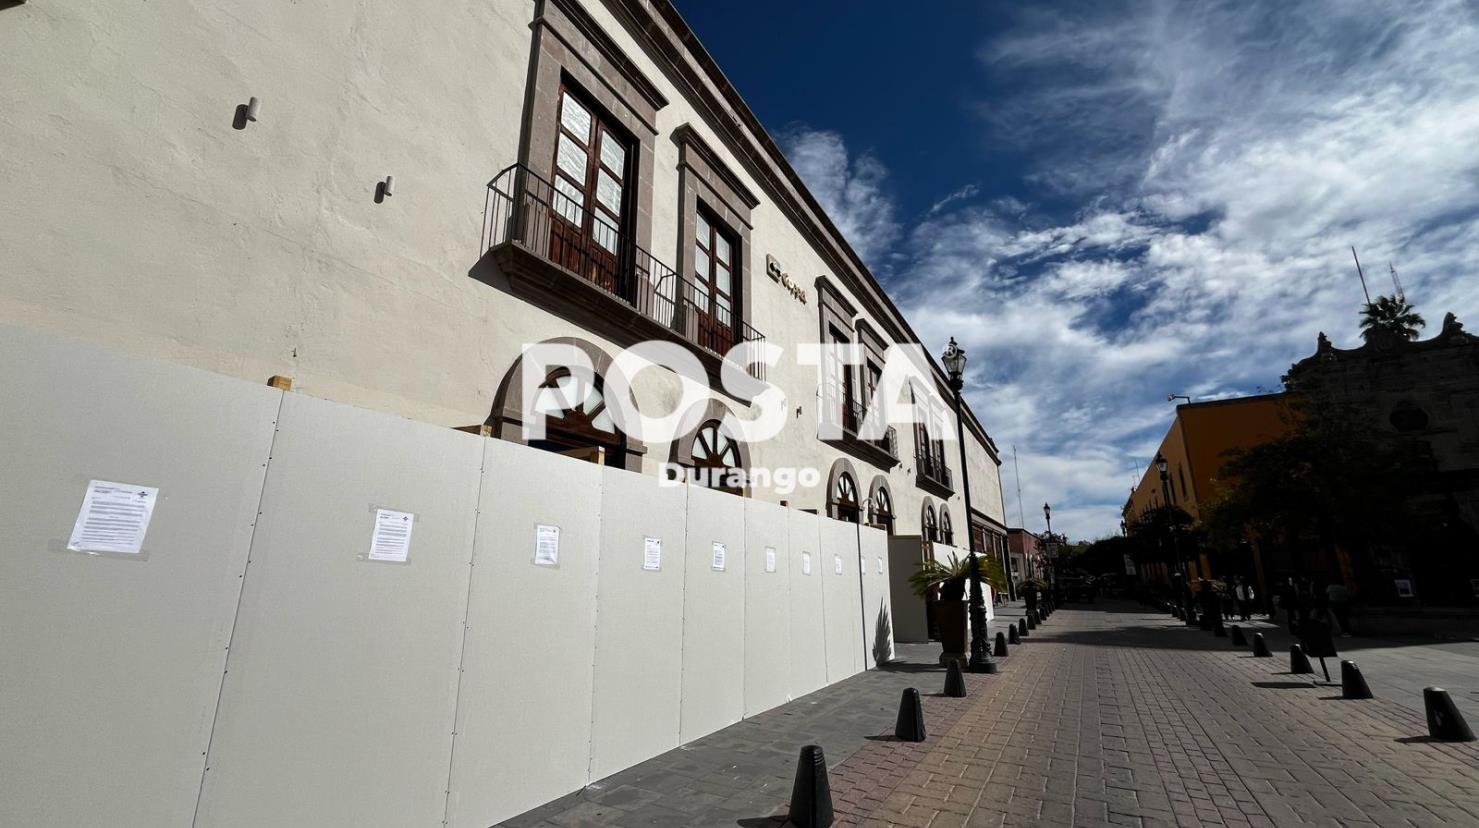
x=1195, y=449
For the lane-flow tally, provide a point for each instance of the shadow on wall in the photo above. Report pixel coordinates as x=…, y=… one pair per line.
x=883, y=633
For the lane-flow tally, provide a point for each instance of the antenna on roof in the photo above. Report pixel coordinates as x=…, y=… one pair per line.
x=1397, y=282
x=1362, y=275
x=1017, y=470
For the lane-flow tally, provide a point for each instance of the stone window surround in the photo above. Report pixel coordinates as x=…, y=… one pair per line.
x=681, y=451
x=834, y=311
x=570, y=50
x=841, y=466
x=704, y=181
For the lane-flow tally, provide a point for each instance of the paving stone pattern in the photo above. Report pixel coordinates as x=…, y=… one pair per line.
x=1106, y=715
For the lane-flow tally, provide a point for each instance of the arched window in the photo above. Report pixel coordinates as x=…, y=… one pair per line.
x=931, y=530
x=715, y=455
x=583, y=427
x=947, y=532
x=845, y=502
x=881, y=508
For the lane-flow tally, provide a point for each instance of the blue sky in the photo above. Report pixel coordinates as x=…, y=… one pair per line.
x=1106, y=202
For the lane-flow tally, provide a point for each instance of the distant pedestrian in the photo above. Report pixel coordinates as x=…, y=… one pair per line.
x=1339, y=599
x=1289, y=603
x=1244, y=594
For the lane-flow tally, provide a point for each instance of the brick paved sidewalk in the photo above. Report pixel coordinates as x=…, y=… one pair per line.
x=1112, y=716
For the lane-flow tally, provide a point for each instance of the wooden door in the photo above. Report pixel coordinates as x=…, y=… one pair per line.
x=713, y=286
x=589, y=198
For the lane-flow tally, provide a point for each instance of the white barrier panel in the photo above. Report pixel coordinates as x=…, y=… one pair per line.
x=842, y=599
x=878, y=626
x=524, y=717
x=338, y=703
x=910, y=623
x=767, y=606
x=808, y=634
x=110, y=665
x=713, y=614
x=639, y=614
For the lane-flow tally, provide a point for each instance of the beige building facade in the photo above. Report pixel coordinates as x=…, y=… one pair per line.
x=388, y=203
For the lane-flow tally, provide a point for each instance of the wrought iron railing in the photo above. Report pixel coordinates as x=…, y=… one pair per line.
x=929, y=461
x=525, y=209
x=854, y=415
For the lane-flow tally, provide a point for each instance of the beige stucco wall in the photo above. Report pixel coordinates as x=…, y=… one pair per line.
x=133, y=214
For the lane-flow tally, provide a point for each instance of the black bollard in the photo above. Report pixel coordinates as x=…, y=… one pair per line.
x=1445, y=723
x=1260, y=647
x=1352, y=683
x=1298, y=661
x=1001, y=646
x=910, y=725
x=811, y=796
x=1205, y=621
x=954, y=680
x=1031, y=622
x=1217, y=628
x=1022, y=627
x=1012, y=634
x=1238, y=639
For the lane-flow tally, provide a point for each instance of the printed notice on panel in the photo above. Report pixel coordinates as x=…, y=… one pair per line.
x=114, y=518
x=805, y=563
x=770, y=559
x=718, y=563
x=652, y=554
x=392, y=541
x=880, y=566
x=546, y=545
x=837, y=564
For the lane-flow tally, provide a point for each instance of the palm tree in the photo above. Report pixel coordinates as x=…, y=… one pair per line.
x=1390, y=315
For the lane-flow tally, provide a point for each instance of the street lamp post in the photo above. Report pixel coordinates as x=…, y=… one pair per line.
x=1161, y=466
x=1047, y=513
x=981, y=661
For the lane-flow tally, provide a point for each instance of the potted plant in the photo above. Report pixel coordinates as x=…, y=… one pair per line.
x=945, y=581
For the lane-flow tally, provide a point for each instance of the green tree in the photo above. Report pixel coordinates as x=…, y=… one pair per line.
x=1390, y=316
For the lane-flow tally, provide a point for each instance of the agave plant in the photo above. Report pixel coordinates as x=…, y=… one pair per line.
x=953, y=574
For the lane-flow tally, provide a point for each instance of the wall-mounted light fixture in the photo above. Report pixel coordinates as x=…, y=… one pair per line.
x=246, y=113
x=384, y=189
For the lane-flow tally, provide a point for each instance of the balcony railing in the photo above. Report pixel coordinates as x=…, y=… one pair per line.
x=930, y=465
x=853, y=417
x=524, y=210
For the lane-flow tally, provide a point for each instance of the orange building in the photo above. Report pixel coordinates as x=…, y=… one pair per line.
x=1195, y=450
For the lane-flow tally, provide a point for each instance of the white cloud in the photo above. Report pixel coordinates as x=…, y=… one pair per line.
x=850, y=188
x=1225, y=156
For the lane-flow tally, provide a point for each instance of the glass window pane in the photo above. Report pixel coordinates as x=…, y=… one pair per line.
x=722, y=304
x=602, y=422
x=569, y=200
x=575, y=117
x=699, y=452
x=605, y=235
x=701, y=296
x=613, y=154
x=571, y=158
x=721, y=277
x=701, y=230
x=701, y=264
x=608, y=192
x=721, y=249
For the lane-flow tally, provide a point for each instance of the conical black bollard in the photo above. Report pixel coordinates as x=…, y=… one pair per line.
x=1031, y=622
x=1001, y=646
x=1238, y=639
x=954, y=680
x=1217, y=629
x=1352, y=683
x=1298, y=661
x=811, y=796
x=1444, y=721
x=910, y=725
x=1022, y=627
x=1012, y=634
x=1260, y=647
x=1205, y=622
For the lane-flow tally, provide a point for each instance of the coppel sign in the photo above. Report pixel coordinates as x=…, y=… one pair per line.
x=777, y=274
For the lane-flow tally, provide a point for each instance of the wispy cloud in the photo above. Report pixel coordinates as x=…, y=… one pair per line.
x=850, y=187
x=1223, y=156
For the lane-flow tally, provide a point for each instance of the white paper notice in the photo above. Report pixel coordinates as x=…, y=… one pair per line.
x=770, y=559
x=718, y=556
x=652, y=554
x=837, y=564
x=392, y=540
x=880, y=566
x=546, y=545
x=805, y=563
x=114, y=518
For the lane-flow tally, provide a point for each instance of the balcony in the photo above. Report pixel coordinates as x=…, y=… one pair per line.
x=883, y=453
x=599, y=278
x=931, y=471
